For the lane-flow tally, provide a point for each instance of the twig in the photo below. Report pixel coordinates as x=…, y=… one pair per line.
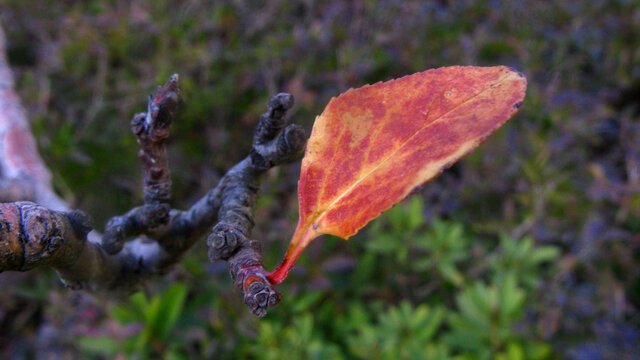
x=32, y=236
x=274, y=142
x=147, y=240
x=151, y=129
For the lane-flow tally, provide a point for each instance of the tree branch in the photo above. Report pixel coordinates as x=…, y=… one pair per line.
x=274, y=142
x=48, y=234
x=151, y=129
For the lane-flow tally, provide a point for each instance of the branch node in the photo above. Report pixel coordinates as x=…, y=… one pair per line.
x=249, y=275
x=224, y=240
x=272, y=121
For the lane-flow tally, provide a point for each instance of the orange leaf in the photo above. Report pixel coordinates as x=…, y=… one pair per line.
x=373, y=146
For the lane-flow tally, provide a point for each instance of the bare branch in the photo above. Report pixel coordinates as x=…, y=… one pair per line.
x=274, y=143
x=34, y=236
x=151, y=129
x=48, y=234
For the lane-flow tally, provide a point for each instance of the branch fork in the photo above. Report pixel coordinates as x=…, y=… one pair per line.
x=150, y=239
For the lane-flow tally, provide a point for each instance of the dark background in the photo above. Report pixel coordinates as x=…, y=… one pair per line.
x=527, y=249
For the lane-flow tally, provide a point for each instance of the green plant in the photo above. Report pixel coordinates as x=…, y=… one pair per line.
x=478, y=315
x=521, y=259
x=445, y=246
x=483, y=326
x=295, y=341
x=402, y=332
x=157, y=317
x=395, y=233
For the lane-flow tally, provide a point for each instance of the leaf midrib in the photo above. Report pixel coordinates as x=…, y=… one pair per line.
x=439, y=118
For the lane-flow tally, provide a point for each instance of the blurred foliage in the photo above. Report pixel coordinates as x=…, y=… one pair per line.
x=526, y=249
x=484, y=321
x=157, y=316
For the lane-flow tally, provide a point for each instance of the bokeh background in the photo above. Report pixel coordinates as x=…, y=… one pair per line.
x=527, y=249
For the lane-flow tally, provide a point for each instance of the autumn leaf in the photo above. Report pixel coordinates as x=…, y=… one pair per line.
x=373, y=146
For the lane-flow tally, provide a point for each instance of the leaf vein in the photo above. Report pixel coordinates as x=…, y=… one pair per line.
x=439, y=118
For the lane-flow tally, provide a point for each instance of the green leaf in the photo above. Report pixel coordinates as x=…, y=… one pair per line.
x=545, y=254
x=450, y=273
x=514, y=352
x=415, y=217
x=306, y=301
x=474, y=314
x=537, y=350
x=151, y=312
x=433, y=322
x=511, y=299
x=124, y=315
x=170, y=308
x=99, y=345
x=139, y=302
